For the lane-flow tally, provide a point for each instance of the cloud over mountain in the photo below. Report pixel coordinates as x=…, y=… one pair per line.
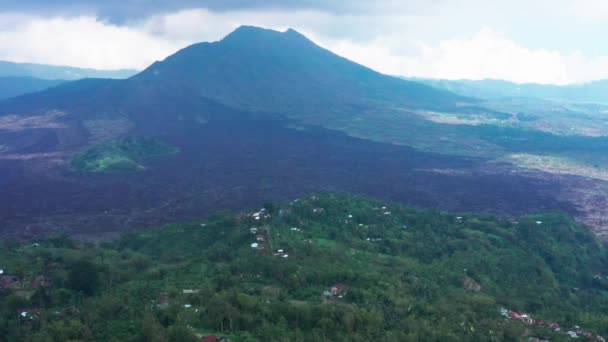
x=448, y=39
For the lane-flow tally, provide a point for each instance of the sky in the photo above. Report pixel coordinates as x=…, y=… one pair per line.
x=541, y=41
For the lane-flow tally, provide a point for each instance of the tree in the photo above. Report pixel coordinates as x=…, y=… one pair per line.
x=40, y=297
x=179, y=333
x=222, y=312
x=152, y=330
x=83, y=277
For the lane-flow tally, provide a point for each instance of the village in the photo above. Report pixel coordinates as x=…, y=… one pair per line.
x=262, y=244
x=263, y=237
x=574, y=332
x=24, y=288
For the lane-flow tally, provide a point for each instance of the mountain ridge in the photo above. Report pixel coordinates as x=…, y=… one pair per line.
x=591, y=92
x=56, y=72
x=12, y=86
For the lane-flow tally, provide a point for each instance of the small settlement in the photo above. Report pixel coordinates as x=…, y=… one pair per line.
x=262, y=242
x=574, y=332
x=25, y=288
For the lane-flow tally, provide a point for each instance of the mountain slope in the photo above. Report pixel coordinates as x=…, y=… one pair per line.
x=52, y=72
x=16, y=86
x=265, y=70
x=254, y=69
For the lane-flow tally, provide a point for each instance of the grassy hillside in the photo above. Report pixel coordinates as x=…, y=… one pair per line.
x=125, y=154
x=349, y=269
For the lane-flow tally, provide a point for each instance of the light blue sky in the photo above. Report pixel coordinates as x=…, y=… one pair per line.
x=559, y=41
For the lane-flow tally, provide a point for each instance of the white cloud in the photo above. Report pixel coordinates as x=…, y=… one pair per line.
x=81, y=41
x=589, y=9
x=486, y=54
x=87, y=41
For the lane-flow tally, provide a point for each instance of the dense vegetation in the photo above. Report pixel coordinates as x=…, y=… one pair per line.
x=120, y=155
x=406, y=275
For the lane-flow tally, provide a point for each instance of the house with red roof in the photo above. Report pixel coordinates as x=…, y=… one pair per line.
x=339, y=290
x=10, y=282
x=514, y=315
x=210, y=338
x=214, y=338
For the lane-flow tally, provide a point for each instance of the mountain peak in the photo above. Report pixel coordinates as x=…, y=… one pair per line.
x=253, y=34
x=295, y=34
x=257, y=69
x=247, y=30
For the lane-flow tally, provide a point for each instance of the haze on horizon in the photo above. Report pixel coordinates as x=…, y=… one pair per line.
x=522, y=41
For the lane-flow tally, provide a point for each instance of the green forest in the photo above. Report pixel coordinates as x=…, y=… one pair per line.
x=322, y=268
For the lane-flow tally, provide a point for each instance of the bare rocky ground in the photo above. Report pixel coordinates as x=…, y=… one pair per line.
x=587, y=198
x=223, y=166
x=102, y=206
x=590, y=197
